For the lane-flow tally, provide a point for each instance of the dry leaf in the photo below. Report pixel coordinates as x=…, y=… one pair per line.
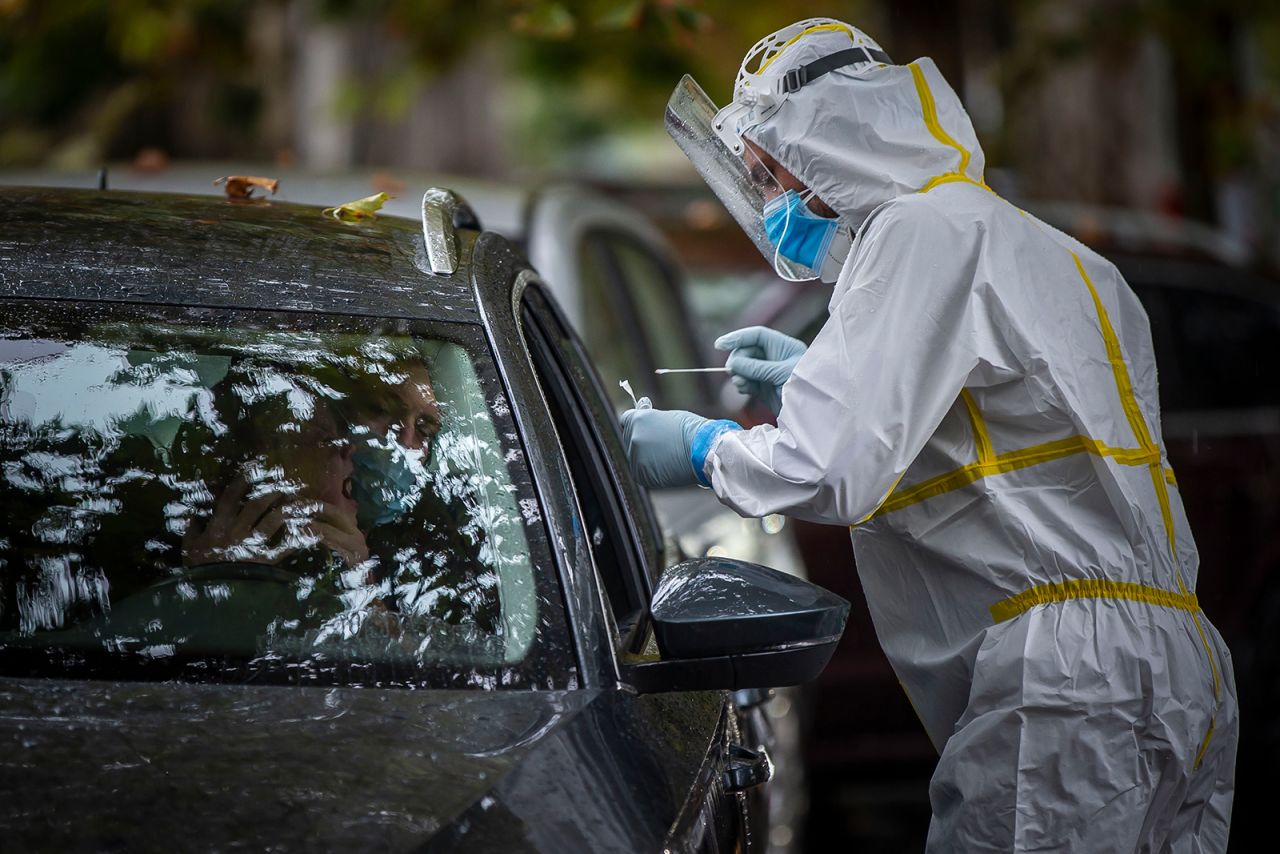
x=359, y=209
x=241, y=186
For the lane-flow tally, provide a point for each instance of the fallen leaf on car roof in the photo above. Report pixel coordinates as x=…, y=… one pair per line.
x=241, y=186
x=359, y=209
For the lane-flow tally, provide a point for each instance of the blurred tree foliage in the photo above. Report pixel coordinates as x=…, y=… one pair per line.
x=1225, y=66
x=75, y=73
x=617, y=67
x=85, y=79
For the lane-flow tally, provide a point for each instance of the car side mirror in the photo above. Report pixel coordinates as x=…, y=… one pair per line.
x=729, y=624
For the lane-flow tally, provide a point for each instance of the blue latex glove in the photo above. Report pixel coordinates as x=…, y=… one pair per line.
x=669, y=447
x=761, y=360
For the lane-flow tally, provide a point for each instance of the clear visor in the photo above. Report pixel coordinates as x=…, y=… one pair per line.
x=741, y=182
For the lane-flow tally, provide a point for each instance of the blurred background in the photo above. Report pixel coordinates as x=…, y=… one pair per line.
x=1147, y=128
x=1170, y=106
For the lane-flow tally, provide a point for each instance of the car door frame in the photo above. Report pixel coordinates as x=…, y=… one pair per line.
x=708, y=805
x=500, y=278
x=631, y=514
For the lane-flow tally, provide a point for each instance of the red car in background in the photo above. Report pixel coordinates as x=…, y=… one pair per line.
x=1215, y=323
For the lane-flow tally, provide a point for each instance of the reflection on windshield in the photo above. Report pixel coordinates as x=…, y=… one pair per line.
x=259, y=499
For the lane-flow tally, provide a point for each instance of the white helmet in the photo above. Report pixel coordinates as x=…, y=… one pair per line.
x=774, y=70
x=825, y=43
x=867, y=132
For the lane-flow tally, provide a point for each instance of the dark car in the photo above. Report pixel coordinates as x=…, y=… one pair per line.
x=320, y=535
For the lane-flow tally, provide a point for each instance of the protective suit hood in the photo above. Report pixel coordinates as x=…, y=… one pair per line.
x=860, y=136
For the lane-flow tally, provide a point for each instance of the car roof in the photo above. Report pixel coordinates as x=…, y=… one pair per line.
x=164, y=248
x=501, y=206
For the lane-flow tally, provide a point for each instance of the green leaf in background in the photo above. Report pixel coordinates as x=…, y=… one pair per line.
x=550, y=21
x=622, y=16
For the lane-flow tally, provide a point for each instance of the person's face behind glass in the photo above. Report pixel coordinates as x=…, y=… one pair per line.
x=406, y=411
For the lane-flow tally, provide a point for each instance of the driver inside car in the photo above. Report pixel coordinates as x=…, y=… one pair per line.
x=350, y=490
x=393, y=432
x=315, y=488
x=291, y=504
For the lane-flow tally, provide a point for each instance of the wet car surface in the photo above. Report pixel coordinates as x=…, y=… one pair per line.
x=620, y=284
x=534, y=711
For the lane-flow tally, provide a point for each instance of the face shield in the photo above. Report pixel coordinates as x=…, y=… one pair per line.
x=740, y=181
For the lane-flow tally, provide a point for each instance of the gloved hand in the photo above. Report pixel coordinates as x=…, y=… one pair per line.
x=761, y=360
x=669, y=447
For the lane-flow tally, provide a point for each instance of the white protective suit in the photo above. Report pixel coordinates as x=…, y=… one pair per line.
x=981, y=410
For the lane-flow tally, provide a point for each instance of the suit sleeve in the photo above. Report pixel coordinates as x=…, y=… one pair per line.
x=878, y=379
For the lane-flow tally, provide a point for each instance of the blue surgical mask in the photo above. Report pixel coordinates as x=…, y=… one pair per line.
x=796, y=232
x=386, y=482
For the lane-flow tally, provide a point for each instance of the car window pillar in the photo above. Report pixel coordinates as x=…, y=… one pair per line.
x=612, y=519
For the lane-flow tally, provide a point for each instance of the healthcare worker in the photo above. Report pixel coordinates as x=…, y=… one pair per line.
x=981, y=410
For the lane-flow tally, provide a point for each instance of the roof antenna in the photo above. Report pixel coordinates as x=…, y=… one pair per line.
x=102, y=178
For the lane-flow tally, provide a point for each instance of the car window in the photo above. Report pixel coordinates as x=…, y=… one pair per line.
x=617, y=520
x=662, y=315
x=258, y=496
x=719, y=297
x=650, y=327
x=615, y=345
x=1213, y=348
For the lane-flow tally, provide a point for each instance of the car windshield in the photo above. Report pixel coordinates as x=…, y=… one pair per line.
x=262, y=496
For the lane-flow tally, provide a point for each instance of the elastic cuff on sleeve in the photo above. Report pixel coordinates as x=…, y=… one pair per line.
x=703, y=441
